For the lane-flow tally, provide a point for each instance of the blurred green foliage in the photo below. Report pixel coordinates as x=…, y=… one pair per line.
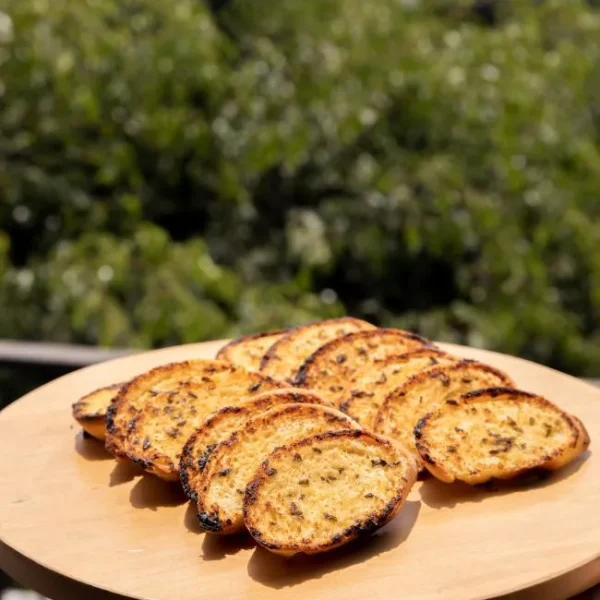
x=178, y=172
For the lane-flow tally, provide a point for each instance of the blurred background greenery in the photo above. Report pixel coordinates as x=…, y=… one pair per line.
x=179, y=172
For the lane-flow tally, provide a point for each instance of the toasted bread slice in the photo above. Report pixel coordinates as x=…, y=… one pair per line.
x=227, y=420
x=156, y=413
x=247, y=351
x=424, y=392
x=497, y=433
x=285, y=357
x=327, y=490
x=220, y=489
x=373, y=383
x=332, y=368
x=90, y=410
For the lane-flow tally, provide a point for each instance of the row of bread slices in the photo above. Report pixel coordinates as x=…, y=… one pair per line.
x=215, y=423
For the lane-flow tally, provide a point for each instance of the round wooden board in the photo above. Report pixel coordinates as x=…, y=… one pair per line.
x=75, y=524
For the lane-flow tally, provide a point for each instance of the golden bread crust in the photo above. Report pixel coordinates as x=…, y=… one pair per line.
x=497, y=433
x=220, y=489
x=221, y=424
x=90, y=410
x=338, y=365
x=285, y=357
x=155, y=413
x=424, y=392
x=247, y=351
x=364, y=399
x=292, y=504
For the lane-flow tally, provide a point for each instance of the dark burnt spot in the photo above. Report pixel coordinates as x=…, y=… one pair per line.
x=153, y=392
x=452, y=402
x=442, y=377
x=466, y=379
x=251, y=493
x=329, y=517
x=418, y=430
x=459, y=430
x=181, y=423
x=361, y=394
x=451, y=449
x=433, y=361
x=168, y=410
x=254, y=387
x=131, y=423
x=303, y=482
x=255, y=533
x=502, y=444
x=172, y=432
x=381, y=379
x=224, y=472
x=203, y=460
x=340, y=470
x=294, y=510
x=317, y=450
x=328, y=478
x=427, y=458
x=340, y=358
x=271, y=472
x=144, y=463
x=369, y=495
x=336, y=388
x=548, y=429
x=146, y=443
x=209, y=522
x=362, y=352
x=379, y=462
x=240, y=492
x=297, y=458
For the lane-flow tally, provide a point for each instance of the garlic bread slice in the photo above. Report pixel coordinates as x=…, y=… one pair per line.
x=334, y=368
x=497, y=433
x=285, y=357
x=424, y=392
x=156, y=413
x=227, y=420
x=219, y=492
x=371, y=385
x=327, y=490
x=90, y=410
x=247, y=351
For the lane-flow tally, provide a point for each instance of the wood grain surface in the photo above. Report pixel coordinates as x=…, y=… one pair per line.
x=75, y=524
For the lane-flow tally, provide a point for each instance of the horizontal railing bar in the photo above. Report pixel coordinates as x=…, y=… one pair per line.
x=49, y=353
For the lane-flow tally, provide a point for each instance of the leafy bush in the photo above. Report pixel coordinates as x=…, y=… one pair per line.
x=175, y=172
